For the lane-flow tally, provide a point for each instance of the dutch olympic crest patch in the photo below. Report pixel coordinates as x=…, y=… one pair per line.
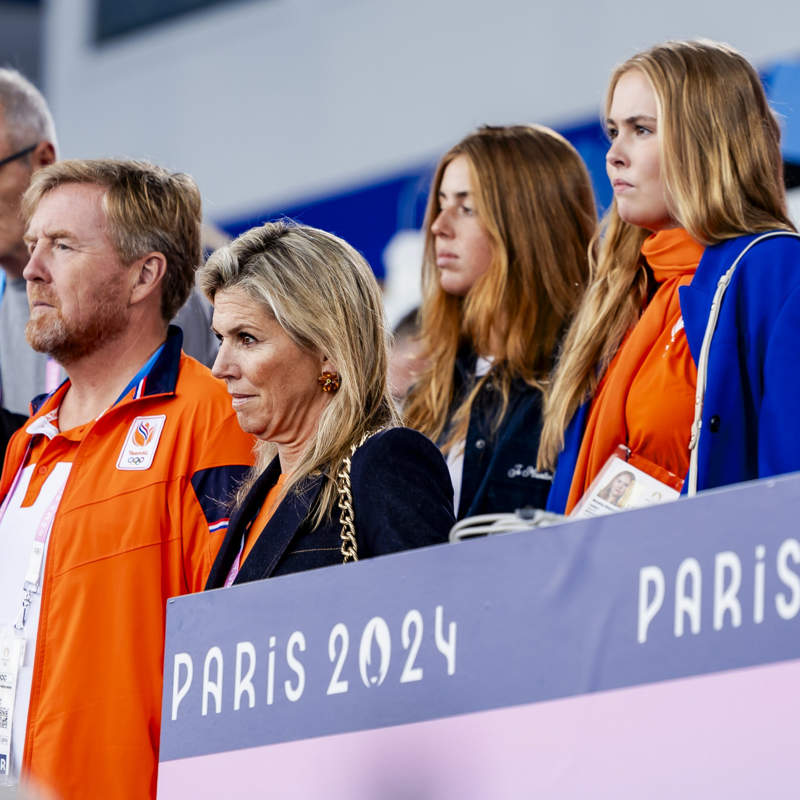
x=140, y=445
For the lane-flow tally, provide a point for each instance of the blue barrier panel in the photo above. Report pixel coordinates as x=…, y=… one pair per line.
x=694, y=587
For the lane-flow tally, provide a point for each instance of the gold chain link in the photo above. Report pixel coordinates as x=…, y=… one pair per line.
x=347, y=516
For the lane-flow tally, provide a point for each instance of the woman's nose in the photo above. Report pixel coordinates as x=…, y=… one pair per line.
x=441, y=225
x=222, y=367
x=616, y=154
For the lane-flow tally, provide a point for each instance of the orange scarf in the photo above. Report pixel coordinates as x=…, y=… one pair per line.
x=646, y=398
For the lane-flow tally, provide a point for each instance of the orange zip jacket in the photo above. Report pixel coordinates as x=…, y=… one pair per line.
x=125, y=538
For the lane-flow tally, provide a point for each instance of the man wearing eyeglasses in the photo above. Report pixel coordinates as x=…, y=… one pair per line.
x=27, y=143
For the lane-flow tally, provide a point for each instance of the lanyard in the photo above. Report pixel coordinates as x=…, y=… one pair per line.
x=32, y=583
x=234, y=570
x=136, y=379
x=237, y=562
x=33, y=576
x=271, y=498
x=12, y=649
x=141, y=374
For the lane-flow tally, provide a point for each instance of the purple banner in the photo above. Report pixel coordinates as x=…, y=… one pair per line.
x=693, y=587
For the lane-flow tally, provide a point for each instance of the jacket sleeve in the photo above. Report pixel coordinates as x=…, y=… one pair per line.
x=402, y=494
x=223, y=459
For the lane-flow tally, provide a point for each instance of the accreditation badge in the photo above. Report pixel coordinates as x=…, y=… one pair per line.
x=627, y=481
x=12, y=652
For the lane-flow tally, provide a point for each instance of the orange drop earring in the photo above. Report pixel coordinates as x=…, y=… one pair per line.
x=329, y=381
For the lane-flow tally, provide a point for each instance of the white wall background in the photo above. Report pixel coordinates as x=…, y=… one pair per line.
x=274, y=101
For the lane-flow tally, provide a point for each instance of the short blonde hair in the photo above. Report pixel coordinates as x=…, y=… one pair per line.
x=325, y=297
x=148, y=209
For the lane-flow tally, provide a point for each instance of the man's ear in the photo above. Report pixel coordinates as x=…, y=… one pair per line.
x=43, y=155
x=147, y=277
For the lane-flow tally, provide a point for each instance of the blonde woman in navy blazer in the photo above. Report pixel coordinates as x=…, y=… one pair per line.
x=303, y=351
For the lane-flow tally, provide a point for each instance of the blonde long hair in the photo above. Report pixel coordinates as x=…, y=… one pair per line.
x=325, y=297
x=721, y=165
x=533, y=194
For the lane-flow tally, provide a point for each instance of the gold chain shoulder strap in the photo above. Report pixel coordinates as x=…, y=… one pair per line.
x=347, y=516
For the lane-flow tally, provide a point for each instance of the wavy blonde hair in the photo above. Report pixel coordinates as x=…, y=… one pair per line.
x=721, y=165
x=325, y=297
x=533, y=194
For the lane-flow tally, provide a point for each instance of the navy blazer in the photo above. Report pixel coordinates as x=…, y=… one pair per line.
x=499, y=474
x=402, y=498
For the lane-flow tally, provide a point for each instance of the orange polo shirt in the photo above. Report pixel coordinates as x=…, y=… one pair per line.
x=134, y=527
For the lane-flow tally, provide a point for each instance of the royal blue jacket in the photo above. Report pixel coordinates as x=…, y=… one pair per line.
x=750, y=424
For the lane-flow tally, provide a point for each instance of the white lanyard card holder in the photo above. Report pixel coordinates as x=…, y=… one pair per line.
x=621, y=484
x=12, y=653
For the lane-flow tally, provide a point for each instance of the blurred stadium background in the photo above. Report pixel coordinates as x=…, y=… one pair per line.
x=335, y=111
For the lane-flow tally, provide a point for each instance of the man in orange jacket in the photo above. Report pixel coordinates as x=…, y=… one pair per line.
x=113, y=494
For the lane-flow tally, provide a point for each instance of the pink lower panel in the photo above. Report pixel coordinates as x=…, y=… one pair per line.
x=732, y=734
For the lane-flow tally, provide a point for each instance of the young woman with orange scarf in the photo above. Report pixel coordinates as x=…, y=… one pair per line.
x=696, y=168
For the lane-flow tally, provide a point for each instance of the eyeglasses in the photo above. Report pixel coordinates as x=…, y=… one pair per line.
x=18, y=154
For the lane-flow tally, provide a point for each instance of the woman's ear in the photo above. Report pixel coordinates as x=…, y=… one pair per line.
x=328, y=365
